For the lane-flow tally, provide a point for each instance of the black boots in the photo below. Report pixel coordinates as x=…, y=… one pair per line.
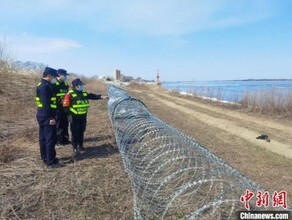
x=75, y=152
x=81, y=148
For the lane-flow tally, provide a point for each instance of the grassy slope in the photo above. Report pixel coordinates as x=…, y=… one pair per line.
x=94, y=187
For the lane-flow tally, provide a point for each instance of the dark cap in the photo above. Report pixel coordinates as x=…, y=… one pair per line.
x=62, y=72
x=51, y=71
x=77, y=82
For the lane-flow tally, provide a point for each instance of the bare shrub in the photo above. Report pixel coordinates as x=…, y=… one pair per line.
x=272, y=103
x=17, y=89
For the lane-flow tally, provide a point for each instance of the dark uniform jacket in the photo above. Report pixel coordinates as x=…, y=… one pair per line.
x=60, y=89
x=46, y=100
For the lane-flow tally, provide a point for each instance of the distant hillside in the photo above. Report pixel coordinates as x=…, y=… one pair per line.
x=263, y=80
x=29, y=65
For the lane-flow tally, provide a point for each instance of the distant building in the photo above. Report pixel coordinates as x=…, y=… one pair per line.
x=158, y=79
x=126, y=78
x=117, y=75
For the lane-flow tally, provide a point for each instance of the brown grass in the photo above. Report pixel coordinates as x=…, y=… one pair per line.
x=144, y=86
x=94, y=187
x=271, y=103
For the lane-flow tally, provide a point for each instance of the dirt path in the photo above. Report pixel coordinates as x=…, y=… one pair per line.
x=245, y=127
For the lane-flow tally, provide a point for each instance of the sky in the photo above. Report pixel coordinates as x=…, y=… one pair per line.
x=182, y=39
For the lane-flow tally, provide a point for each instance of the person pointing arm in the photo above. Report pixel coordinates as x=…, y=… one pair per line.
x=76, y=105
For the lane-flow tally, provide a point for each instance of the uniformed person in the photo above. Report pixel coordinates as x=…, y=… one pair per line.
x=61, y=88
x=46, y=116
x=76, y=104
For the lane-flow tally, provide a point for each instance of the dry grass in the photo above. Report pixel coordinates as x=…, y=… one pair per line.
x=143, y=86
x=94, y=187
x=18, y=98
x=271, y=103
x=78, y=191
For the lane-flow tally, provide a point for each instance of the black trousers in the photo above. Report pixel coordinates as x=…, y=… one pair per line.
x=78, y=127
x=47, y=140
x=62, y=126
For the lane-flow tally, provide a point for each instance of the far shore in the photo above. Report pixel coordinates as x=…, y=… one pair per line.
x=180, y=81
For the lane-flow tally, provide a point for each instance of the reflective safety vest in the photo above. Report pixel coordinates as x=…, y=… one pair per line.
x=79, y=103
x=39, y=103
x=61, y=91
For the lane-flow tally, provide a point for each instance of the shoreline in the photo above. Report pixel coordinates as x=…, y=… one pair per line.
x=224, y=80
x=208, y=98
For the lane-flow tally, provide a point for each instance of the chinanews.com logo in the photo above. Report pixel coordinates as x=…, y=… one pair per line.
x=264, y=199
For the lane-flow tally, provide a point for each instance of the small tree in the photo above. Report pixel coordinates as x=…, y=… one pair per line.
x=6, y=67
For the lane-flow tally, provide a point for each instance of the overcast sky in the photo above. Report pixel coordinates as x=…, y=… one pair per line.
x=183, y=39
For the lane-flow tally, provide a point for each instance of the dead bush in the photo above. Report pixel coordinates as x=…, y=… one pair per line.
x=271, y=103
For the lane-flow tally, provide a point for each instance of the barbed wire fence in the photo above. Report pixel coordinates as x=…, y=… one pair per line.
x=172, y=176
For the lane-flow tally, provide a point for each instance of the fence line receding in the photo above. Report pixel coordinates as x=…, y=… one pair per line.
x=172, y=176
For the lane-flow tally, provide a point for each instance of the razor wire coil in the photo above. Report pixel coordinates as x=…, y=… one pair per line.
x=172, y=176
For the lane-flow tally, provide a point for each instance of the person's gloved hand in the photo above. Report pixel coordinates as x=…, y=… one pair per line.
x=69, y=118
x=52, y=121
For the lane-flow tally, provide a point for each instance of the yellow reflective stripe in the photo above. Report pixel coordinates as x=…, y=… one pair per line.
x=52, y=99
x=57, y=83
x=81, y=113
x=52, y=105
x=61, y=94
x=73, y=110
x=80, y=106
x=81, y=109
x=39, y=84
x=38, y=103
x=77, y=113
